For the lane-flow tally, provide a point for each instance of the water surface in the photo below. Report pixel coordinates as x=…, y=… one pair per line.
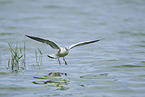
x=113, y=67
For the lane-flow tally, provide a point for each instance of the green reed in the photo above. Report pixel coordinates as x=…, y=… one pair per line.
x=40, y=56
x=36, y=57
x=16, y=55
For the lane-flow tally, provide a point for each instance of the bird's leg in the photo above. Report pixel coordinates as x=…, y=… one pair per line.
x=59, y=61
x=64, y=61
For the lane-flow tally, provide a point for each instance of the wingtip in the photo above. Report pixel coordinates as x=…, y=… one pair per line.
x=26, y=35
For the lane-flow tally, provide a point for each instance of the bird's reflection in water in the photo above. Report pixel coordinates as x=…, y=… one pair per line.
x=53, y=79
x=56, y=74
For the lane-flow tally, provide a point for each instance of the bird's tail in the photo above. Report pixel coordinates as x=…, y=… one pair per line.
x=52, y=56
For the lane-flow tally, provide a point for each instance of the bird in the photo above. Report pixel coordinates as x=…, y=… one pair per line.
x=62, y=52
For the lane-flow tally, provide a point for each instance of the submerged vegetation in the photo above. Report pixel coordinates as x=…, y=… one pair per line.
x=17, y=59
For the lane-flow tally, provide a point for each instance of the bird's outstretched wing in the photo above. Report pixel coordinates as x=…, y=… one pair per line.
x=83, y=43
x=51, y=43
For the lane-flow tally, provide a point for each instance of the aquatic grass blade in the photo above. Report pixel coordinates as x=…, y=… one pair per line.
x=20, y=57
x=20, y=48
x=10, y=47
x=40, y=51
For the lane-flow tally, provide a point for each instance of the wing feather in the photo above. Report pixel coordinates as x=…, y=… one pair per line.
x=51, y=43
x=83, y=43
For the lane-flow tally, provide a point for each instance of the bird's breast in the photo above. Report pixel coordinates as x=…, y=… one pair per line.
x=62, y=53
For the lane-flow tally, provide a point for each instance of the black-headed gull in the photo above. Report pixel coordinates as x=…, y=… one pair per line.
x=62, y=52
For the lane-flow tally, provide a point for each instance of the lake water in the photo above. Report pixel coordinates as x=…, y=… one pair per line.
x=113, y=67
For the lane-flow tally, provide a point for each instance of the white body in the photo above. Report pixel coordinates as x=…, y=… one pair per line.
x=63, y=52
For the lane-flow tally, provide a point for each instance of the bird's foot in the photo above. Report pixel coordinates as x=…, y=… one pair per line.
x=65, y=63
x=59, y=61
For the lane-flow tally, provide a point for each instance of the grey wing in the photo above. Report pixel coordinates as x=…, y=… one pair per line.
x=51, y=43
x=83, y=43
